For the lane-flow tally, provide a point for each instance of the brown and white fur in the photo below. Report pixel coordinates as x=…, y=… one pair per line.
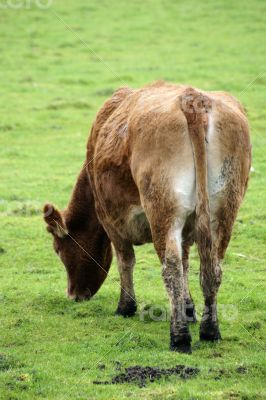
x=165, y=164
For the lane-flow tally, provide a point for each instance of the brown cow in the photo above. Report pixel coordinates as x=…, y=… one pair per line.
x=165, y=164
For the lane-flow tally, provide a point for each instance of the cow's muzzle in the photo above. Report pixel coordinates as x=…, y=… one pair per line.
x=79, y=296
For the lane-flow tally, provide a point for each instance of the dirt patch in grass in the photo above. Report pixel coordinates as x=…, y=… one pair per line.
x=142, y=375
x=241, y=370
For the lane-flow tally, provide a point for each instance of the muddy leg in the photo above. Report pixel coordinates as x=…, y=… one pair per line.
x=172, y=272
x=189, y=304
x=223, y=215
x=127, y=305
x=167, y=216
x=209, y=327
x=210, y=279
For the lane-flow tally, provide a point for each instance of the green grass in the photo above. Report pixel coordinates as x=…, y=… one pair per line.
x=57, y=67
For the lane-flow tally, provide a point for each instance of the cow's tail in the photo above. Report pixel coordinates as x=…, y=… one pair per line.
x=195, y=106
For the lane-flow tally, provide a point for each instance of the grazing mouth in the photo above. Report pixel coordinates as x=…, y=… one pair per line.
x=82, y=296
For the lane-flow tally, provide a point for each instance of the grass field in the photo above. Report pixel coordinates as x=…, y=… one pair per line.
x=58, y=64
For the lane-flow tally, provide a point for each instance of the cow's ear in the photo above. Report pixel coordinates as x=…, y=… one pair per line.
x=55, y=221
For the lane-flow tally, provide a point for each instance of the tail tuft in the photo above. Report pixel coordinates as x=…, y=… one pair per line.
x=194, y=105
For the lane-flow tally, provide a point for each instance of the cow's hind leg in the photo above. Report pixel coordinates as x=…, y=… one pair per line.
x=210, y=282
x=127, y=305
x=166, y=229
x=223, y=214
x=168, y=198
x=172, y=272
x=189, y=304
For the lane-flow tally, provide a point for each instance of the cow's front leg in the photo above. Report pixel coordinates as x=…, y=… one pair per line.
x=127, y=305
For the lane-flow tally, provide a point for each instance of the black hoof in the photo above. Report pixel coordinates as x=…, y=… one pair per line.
x=191, y=313
x=210, y=332
x=181, y=344
x=128, y=310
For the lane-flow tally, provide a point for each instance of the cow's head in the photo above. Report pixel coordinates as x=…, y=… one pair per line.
x=84, y=249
